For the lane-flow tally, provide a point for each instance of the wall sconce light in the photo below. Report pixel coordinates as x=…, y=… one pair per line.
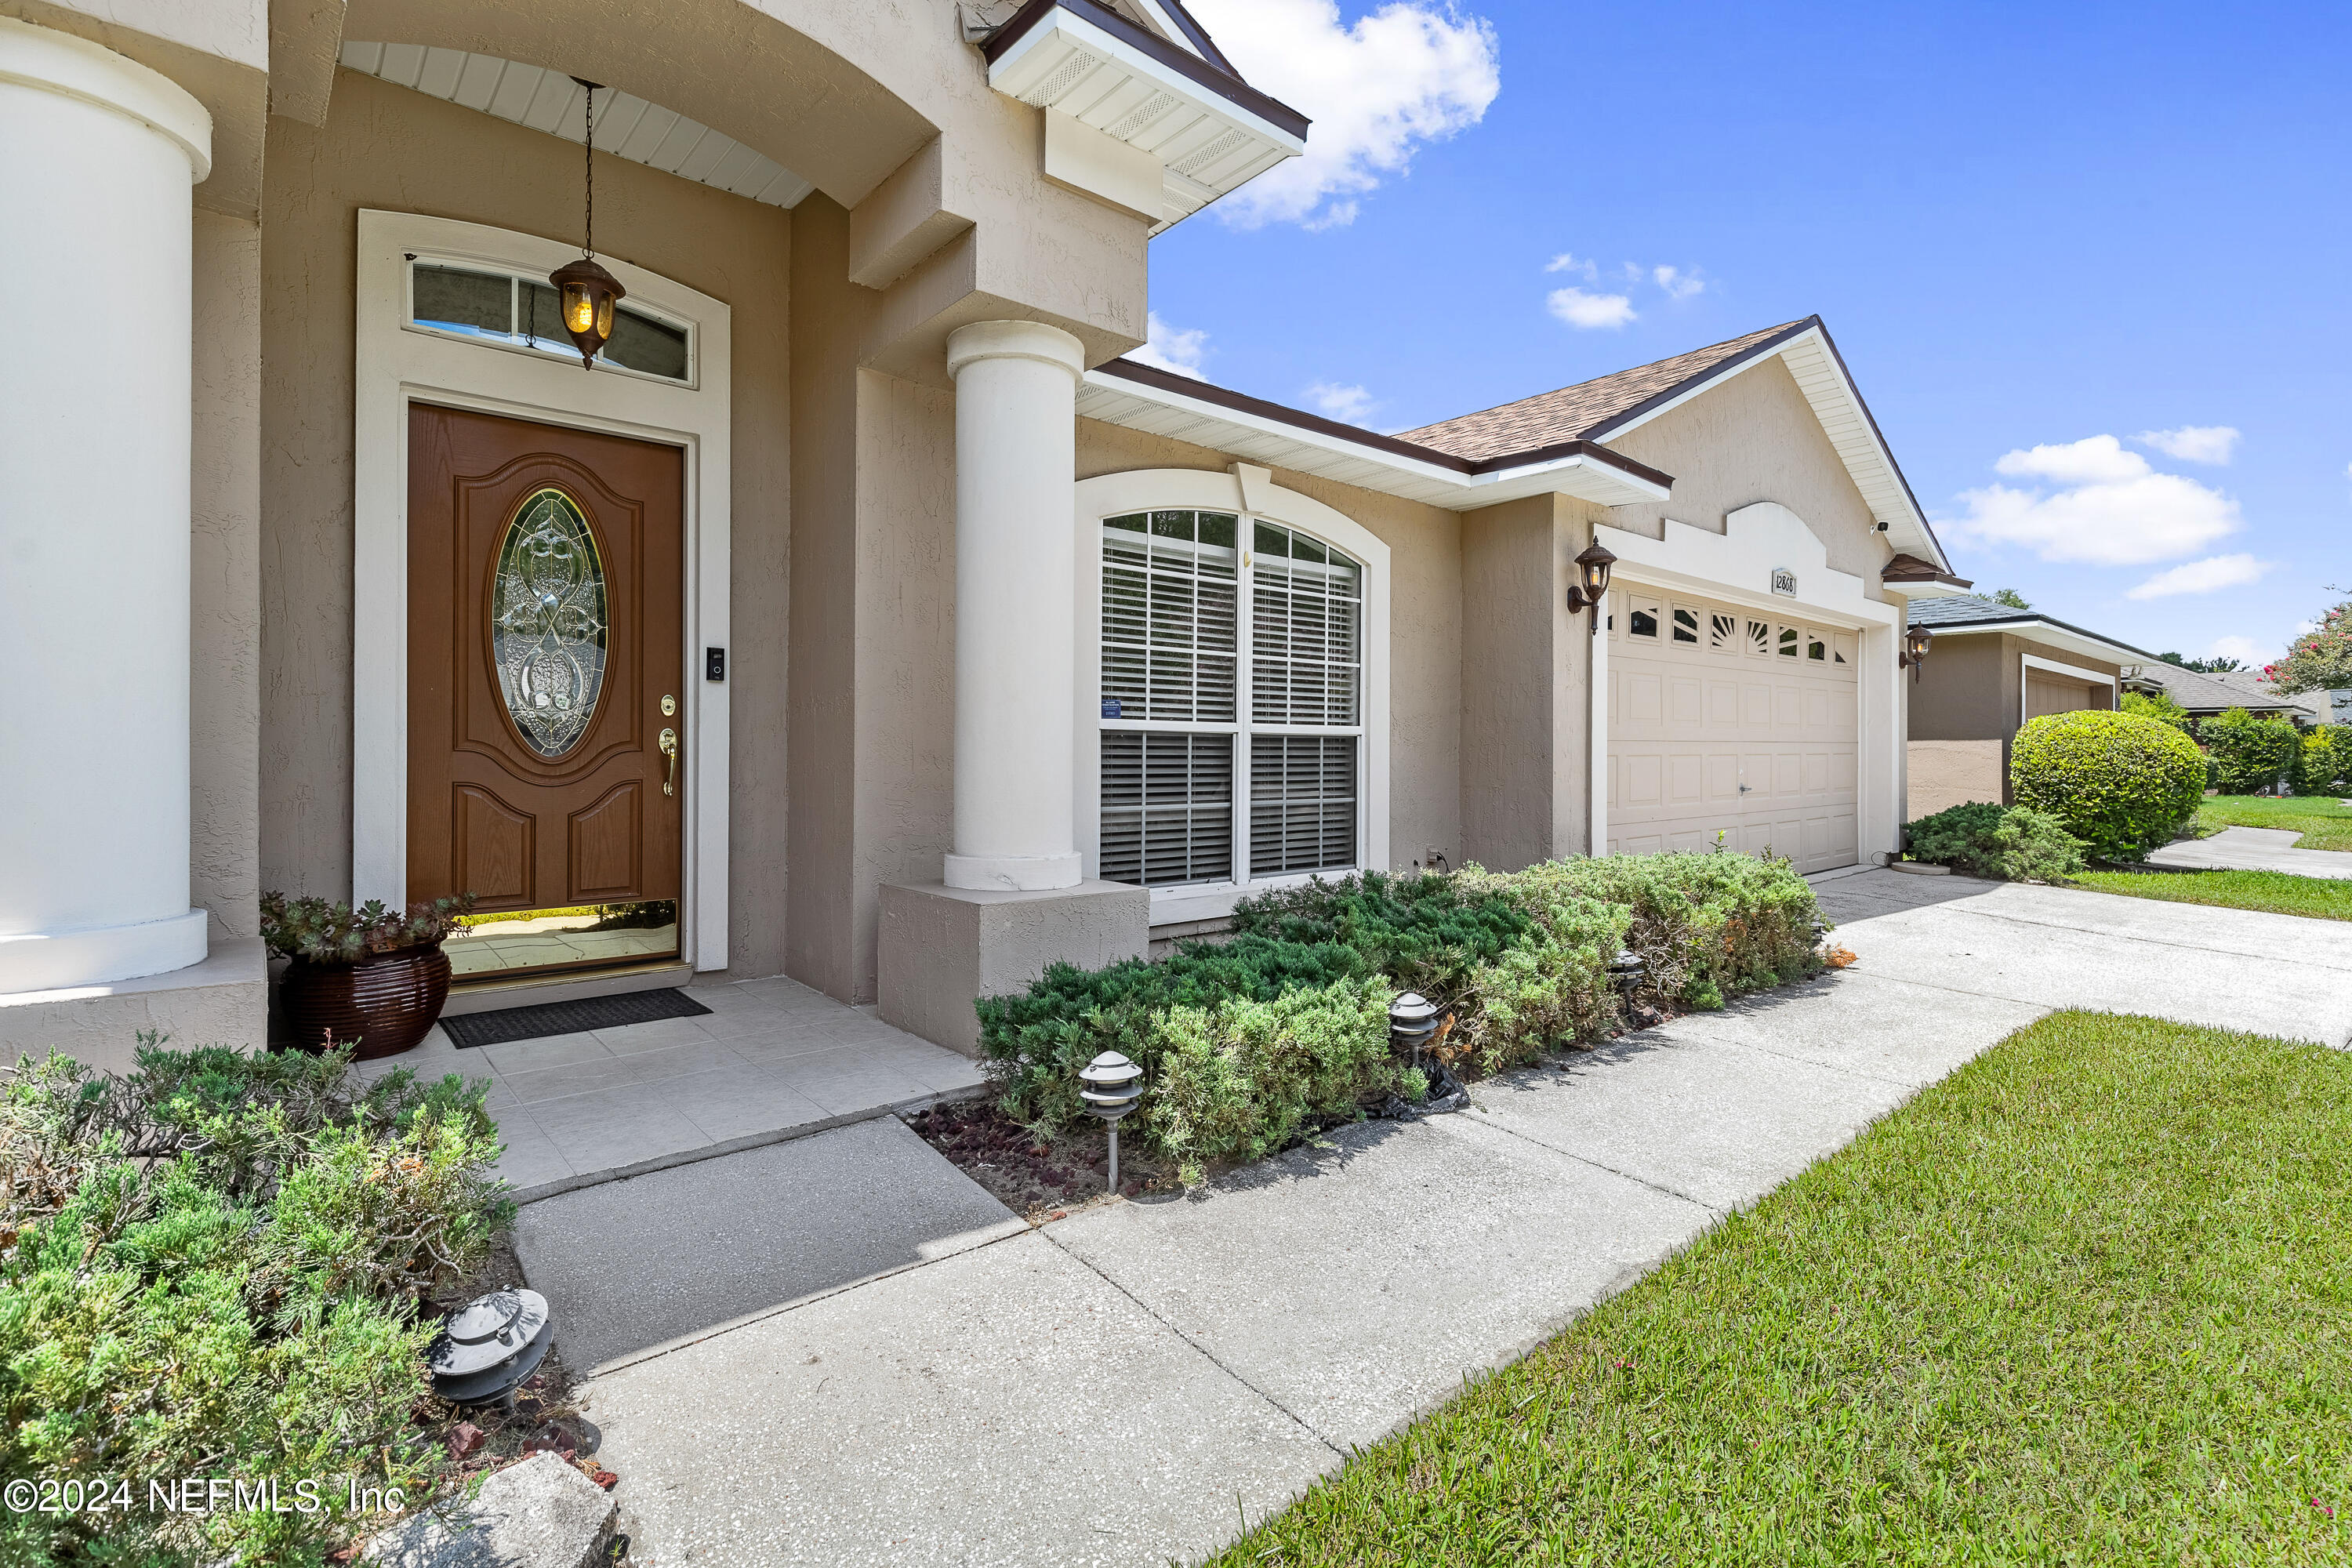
x=1914, y=650
x=586, y=291
x=1592, y=583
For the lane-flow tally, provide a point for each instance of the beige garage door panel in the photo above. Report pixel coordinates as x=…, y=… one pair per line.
x=1732, y=722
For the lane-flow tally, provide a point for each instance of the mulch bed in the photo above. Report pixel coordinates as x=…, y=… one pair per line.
x=1041, y=1178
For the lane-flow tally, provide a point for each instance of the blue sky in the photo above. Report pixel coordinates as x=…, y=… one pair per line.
x=2027, y=226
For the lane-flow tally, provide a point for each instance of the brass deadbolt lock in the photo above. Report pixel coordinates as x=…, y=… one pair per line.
x=669, y=706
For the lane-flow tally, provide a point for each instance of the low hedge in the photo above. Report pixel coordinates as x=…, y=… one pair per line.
x=2121, y=783
x=212, y=1267
x=2251, y=754
x=1244, y=1041
x=2016, y=844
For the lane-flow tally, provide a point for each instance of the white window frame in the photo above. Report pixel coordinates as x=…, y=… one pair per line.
x=1250, y=494
x=397, y=365
x=2033, y=661
x=562, y=350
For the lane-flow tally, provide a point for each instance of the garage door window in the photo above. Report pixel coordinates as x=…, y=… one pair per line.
x=1232, y=729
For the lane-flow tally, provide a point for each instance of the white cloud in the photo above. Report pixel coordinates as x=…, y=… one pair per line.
x=2096, y=503
x=1678, y=284
x=1566, y=261
x=1408, y=73
x=2210, y=575
x=1350, y=404
x=2245, y=650
x=1587, y=312
x=1165, y=348
x=2193, y=443
x=2096, y=459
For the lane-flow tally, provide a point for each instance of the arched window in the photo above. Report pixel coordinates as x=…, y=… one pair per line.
x=1232, y=704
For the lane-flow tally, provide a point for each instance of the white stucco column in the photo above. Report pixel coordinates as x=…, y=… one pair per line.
x=97, y=158
x=1016, y=454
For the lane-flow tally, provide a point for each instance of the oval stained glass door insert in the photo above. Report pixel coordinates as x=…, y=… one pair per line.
x=547, y=622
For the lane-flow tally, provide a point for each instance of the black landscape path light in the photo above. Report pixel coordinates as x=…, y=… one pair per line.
x=1112, y=1086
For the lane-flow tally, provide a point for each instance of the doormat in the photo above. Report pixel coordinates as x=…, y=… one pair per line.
x=569, y=1018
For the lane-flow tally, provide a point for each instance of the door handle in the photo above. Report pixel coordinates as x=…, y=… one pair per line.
x=669, y=750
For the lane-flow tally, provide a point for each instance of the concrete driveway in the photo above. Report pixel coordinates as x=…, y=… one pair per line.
x=1130, y=1383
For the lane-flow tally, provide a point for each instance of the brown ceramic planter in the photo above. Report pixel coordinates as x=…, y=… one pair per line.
x=385, y=1003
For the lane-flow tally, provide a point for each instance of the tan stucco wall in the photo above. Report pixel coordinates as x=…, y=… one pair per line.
x=1945, y=774
x=1527, y=666
x=873, y=689
x=224, y=563
x=1754, y=439
x=1973, y=689
x=386, y=147
x=1425, y=630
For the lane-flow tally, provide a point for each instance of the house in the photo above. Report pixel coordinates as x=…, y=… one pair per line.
x=1990, y=667
x=858, y=613
x=2201, y=695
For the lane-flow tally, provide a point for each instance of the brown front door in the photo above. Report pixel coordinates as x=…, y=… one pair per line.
x=545, y=617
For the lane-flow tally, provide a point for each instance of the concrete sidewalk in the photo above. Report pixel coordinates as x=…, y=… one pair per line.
x=934, y=1382
x=2253, y=849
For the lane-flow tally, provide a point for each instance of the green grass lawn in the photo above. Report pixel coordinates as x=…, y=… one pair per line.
x=2089, y=1301
x=2277, y=892
x=2324, y=822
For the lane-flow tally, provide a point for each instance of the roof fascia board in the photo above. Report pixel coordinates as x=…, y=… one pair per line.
x=1592, y=473
x=2057, y=633
x=1808, y=331
x=1140, y=52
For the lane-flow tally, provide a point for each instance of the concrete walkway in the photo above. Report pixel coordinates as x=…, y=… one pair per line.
x=908, y=1373
x=2253, y=849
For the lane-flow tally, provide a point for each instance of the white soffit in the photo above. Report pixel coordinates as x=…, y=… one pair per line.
x=1156, y=411
x=626, y=126
x=1206, y=145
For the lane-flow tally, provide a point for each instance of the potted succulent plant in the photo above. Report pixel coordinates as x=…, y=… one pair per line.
x=374, y=975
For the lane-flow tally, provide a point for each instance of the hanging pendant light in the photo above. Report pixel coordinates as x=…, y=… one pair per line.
x=586, y=292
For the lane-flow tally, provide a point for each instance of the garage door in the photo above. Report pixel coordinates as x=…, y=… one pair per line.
x=1730, y=720
x=2048, y=694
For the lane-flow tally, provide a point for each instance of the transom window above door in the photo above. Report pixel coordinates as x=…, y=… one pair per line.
x=509, y=310
x=1232, y=727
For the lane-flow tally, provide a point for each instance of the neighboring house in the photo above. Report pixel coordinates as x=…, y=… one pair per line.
x=865, y=616
x=1990, y=668
x=2201, y=696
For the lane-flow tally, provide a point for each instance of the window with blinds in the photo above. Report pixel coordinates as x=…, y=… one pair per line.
x=1232, y=701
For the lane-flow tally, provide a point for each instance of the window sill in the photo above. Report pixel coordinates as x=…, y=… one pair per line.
x=1216, y=900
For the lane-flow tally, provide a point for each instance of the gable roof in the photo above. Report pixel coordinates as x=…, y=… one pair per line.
x=1579, y=411
x=1611, y=405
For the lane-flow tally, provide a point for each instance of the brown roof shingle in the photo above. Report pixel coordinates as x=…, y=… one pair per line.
x=1579, y=411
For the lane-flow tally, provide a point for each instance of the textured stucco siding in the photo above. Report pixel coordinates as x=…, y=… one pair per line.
x=1425, y=629
x=385, y=147
x=225, y=577
x=1754, y=439
x=1945, y=774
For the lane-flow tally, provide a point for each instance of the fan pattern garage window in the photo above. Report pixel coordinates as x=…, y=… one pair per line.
x=1231, y=724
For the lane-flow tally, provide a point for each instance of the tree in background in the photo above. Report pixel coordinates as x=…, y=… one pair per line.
x=2321, y=658
x=2009, y=597
x=2220, y=664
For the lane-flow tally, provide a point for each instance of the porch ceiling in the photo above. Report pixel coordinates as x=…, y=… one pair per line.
x=626, y=126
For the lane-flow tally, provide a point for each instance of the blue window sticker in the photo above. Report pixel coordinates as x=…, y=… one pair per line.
x=1110, y=707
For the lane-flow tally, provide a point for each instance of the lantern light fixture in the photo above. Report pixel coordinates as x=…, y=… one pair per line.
x=1593, y=582
x=1914, y=650
x=586, y=292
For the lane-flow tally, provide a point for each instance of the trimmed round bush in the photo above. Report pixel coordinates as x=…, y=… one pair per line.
x=2121, y=783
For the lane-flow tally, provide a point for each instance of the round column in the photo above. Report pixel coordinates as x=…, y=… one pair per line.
x=97, y=158
x=1016, y=560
